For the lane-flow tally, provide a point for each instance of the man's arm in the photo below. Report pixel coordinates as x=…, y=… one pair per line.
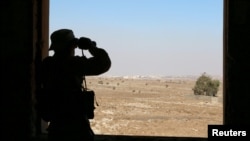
x=97, y=64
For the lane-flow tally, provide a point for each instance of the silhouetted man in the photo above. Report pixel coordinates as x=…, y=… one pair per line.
x=62, y=77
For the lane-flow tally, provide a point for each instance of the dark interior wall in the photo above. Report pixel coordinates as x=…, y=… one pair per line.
x=17, y=69
x=236, y=62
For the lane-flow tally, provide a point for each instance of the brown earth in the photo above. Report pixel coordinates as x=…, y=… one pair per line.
x=152, y=107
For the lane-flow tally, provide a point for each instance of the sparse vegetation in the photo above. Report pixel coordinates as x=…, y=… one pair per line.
x=164, y=106
x=205, y=85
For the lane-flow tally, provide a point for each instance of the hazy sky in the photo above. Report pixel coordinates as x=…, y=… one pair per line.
x=148, y=37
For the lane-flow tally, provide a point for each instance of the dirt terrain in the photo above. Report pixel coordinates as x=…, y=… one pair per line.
x=152, y=107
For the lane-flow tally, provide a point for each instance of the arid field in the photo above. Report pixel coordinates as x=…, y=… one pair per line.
x=153, y=107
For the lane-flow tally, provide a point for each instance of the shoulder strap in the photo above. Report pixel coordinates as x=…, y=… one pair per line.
x=84, y=78
x=85, y=85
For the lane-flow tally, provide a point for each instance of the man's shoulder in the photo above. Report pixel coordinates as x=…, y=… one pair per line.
x=77, y=58
x=73, y=59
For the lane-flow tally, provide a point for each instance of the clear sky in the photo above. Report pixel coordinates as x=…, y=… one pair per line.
x=148, y=37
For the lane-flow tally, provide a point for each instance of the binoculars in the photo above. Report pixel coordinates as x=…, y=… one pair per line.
x=85, y=43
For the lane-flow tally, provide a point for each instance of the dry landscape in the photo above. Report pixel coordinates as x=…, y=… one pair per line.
x=152, y=107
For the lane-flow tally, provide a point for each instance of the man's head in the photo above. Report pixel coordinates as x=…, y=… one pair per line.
x=62, y=40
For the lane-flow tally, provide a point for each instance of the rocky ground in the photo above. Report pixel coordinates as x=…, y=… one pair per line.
x=152, y=107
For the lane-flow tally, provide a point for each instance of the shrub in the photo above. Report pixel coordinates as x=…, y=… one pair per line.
x=205, y=85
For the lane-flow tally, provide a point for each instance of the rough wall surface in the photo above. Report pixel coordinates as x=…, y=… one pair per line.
x=16, y=69
x=236, y=61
